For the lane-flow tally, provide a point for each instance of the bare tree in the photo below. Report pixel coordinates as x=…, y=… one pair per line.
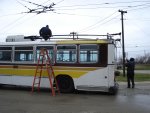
x=143, y=59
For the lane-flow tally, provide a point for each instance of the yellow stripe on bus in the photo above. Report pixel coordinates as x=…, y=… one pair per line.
x=31, y=72
x=54, y=67
x=82, y=41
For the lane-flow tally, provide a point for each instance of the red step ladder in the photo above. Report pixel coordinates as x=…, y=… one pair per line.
x=44, y=62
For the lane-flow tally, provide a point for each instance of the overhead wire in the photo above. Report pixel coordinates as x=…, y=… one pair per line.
x=102, y=21
x=73, y=14
x=129, y=7
x=33, y=3
x=60, y=1
x=13, y=23
x=91, y=26
x=13, y=14
x=40, y=7
x=105, y=3
x=138, y=8
x=137, y=46
x=23, y=5
x=101, y=5
x=98, y=22
x=140, y=29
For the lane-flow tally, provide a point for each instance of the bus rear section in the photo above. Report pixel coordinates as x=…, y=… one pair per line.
x=100, y=78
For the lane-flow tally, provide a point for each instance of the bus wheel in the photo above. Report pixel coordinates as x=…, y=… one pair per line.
x=113, y=90
x=65, y=84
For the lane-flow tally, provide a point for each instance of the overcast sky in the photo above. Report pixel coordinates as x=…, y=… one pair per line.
x=81, y=16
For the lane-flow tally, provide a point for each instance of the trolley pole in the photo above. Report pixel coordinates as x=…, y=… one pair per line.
x=73, y=34
x=123, y=45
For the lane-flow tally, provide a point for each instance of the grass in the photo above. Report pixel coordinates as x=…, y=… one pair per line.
x=142, y=67
x=138, y=78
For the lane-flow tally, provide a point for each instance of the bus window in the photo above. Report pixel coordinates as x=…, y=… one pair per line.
x=24, y=53
x=50, y=50
x=88, y=53
x=5, y=53
x=66, y=54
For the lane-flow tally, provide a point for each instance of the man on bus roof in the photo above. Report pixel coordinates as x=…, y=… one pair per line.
x=45, y=32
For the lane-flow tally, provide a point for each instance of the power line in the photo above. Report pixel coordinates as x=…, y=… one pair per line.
x=139, y=50
x=140, y=29
x=101, y=5
x=105, y=3
x=39, y=5
x=98, y=22
x=73, y=14
x=23, y=5
x=60, y=2
x=137, y=46
x=40, y=8
x=13, y=14
x=138, y=19
x=12, y=23
x=138, y=8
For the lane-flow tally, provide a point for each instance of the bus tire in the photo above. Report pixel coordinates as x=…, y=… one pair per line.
x=65, y=83
x=113, y=90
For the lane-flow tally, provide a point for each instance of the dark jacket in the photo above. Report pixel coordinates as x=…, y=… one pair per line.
x=45, y=32
x=130, y=67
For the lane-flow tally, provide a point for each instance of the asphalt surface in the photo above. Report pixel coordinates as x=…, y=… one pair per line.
x=139, y=71
x=21, y=100
x=143, y=71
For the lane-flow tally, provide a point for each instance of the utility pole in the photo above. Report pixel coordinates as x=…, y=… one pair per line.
x=123, y=45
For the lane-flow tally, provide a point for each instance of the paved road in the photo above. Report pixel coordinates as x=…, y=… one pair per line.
x=20, y=100
x=140, y=71
x=143, y=71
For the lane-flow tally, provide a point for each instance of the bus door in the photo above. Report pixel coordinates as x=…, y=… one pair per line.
x=111, y=64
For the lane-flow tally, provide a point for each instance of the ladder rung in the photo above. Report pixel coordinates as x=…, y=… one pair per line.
x=36, y=83
x=37, y=77
x=55, y=89
x=49, y=67
x=39, y=66
x=42, y=55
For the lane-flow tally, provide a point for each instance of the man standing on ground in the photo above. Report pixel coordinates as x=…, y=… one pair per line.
x=130, y=72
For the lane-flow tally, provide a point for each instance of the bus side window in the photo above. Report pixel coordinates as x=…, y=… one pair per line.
x=66, y=54
x=88, y=54
x=50, y=50
x=5, y=53
x=23, y=53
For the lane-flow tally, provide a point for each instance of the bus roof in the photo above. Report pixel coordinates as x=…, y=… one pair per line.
x=51, y=42
x=86, y=41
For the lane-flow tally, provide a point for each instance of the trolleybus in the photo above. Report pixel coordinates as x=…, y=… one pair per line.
x=79, y=64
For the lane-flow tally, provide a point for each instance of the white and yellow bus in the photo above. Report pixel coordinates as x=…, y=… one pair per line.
x=87, y=64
